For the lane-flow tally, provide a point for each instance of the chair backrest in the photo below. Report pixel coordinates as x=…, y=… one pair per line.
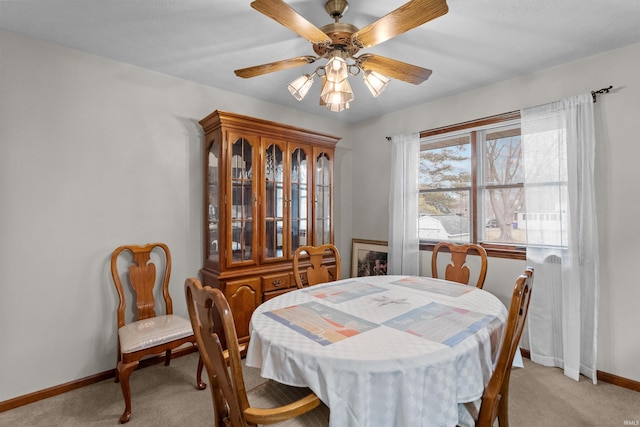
x=457, y=270
x=496, y=393
x=142, y=277
x=205, y=305
x=230, y=403
x=316, y=272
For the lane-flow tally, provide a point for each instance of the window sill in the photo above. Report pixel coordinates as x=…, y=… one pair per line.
x=494, y=251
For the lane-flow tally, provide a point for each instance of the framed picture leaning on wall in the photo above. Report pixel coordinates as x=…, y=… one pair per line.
x=368, y=257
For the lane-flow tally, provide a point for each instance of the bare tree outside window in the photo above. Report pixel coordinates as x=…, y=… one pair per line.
x=504, y=184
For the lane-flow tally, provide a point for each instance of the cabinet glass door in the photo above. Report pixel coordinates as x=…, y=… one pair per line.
x=243, y=198
x=299, y=199
x=274, y=203
x=213, y=184
x=322, y=185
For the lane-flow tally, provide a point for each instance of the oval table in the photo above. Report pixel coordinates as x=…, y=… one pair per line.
x=381, y=350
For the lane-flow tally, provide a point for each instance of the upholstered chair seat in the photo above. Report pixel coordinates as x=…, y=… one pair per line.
x=153, y=331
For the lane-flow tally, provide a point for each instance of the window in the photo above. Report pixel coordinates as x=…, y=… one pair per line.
x=471, y=185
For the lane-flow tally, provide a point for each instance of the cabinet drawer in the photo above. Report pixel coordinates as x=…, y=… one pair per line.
x=275, y=282
x=267, y=296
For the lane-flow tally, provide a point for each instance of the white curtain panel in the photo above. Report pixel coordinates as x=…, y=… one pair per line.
x=562, y=239
x=403, y=257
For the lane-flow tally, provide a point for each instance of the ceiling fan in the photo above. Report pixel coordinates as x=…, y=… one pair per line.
x=340, y=42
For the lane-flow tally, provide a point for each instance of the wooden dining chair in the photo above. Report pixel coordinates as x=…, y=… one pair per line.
x=316, y=273
x=147, y=333
x=495, y=399
x=267, y=403
x=457, y=270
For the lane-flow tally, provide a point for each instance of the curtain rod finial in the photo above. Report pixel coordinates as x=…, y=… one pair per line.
x=603, y=90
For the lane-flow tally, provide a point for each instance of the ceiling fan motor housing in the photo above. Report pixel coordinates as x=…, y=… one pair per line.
x=338, y=32
x=340, y=35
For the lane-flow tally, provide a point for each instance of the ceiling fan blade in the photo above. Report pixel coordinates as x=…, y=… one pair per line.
x=394, y=69
x=281, y=12
x=408, y=16
x=259, y=70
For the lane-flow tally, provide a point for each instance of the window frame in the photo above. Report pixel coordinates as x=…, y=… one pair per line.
x=493, y=250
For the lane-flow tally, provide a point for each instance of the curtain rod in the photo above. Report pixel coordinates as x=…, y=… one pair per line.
x=603, y=90
x=593, y=94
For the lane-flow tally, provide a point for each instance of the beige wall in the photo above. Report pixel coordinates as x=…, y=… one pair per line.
x=95, y=153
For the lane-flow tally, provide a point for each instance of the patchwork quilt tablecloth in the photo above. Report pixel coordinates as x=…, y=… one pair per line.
x=381, y=351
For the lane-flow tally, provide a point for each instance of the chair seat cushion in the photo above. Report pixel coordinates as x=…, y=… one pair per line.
x=271, y=394
x=153, y=331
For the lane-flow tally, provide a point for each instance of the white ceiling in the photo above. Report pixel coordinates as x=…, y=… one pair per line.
x=479, y=42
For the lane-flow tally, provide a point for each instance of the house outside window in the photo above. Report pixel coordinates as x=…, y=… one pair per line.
x=471, y=186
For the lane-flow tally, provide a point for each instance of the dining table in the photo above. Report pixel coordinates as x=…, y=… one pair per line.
x=381, y=351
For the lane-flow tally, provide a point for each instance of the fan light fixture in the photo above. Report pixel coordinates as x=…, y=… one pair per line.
x=300, y=86
x=376, y=82
x=339, y=43
x=336, y=93
x=336, y=69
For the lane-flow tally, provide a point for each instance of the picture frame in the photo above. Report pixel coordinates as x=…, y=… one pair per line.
x=368, y=257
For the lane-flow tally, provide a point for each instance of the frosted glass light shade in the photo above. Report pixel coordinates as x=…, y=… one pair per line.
x=336, y=108
x=300, y=86
x=336, y=93
x=375, y=82
x=336, y=69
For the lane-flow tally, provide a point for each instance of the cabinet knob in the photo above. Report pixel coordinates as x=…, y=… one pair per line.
x=276, y=283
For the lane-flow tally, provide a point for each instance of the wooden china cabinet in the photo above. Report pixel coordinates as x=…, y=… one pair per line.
x=268, y=189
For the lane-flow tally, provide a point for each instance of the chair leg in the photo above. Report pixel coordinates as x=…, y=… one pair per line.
x=503, y=411
x=200, y=385
x=118, y=360
x=123, y=373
